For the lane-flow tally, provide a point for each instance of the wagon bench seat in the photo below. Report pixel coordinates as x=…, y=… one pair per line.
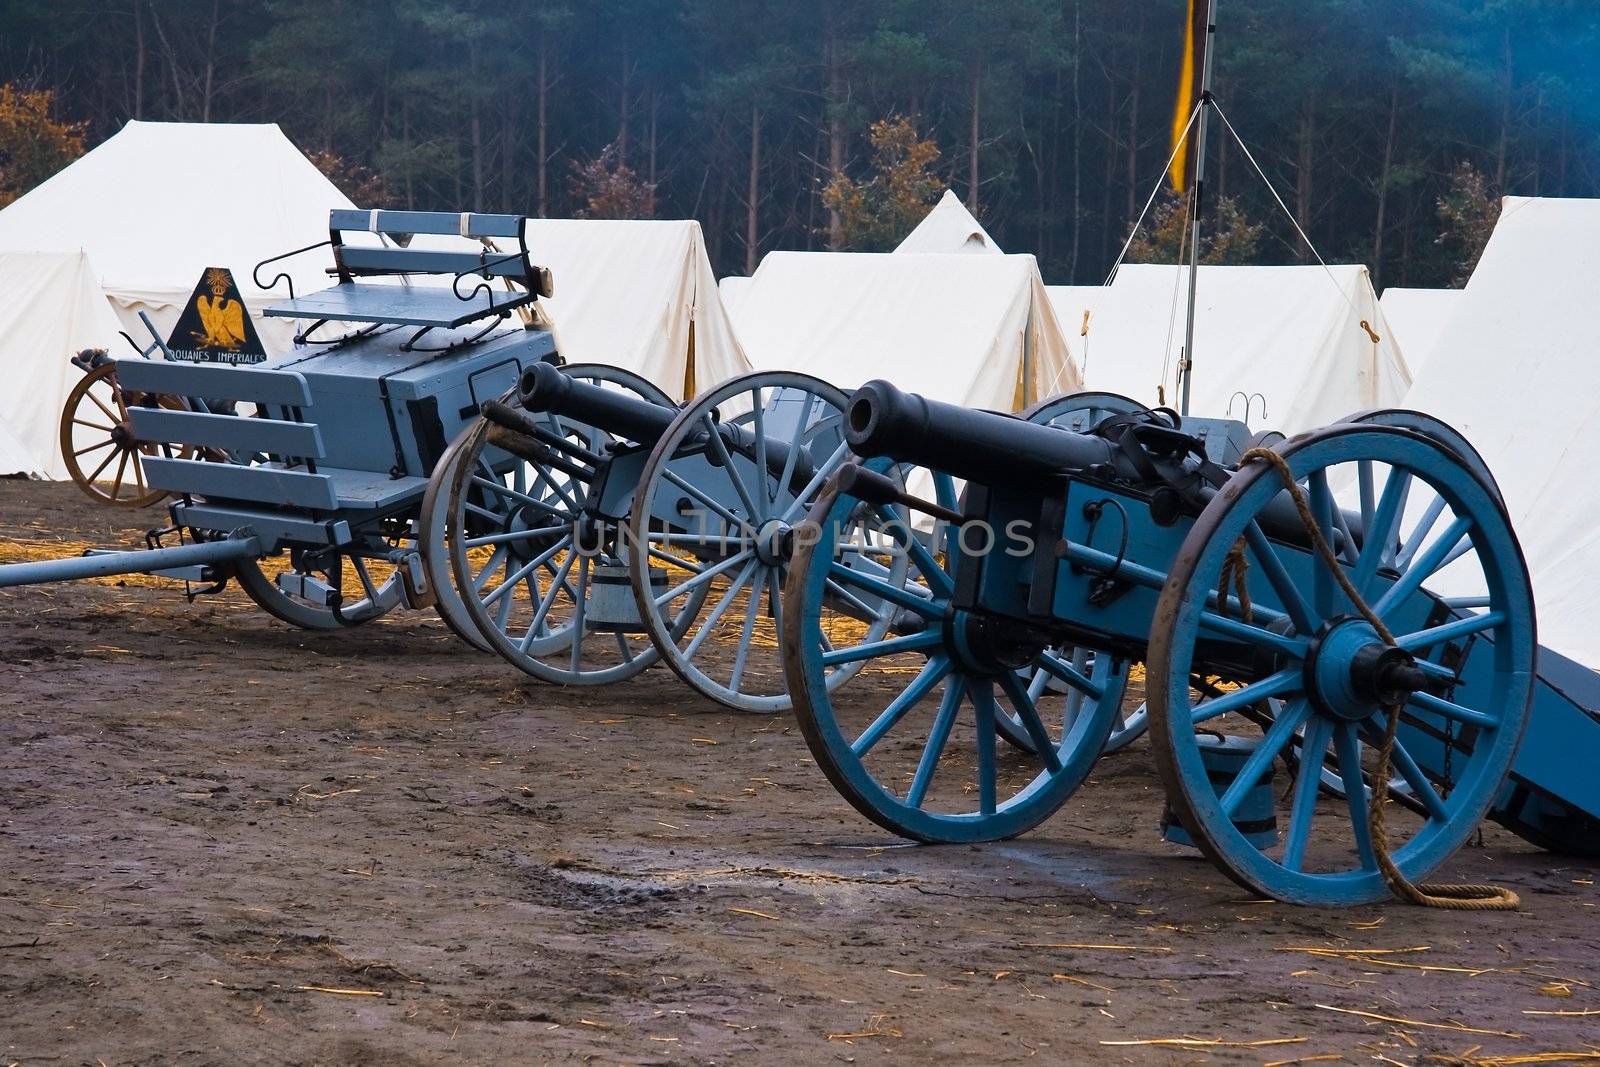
x=329, y=489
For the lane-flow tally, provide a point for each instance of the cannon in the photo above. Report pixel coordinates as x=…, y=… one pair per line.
x=590, y=527
x=321, y=458
x=1331, y=624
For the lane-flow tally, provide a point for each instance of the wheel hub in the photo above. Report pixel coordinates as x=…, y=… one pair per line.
x=123, y=436
x=989, y=646
x=538, y=527
x=774, y=543
x=1352, y=674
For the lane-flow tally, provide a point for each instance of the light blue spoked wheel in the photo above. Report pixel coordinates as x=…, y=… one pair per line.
x=715, y=513
x=911, y=743
x=433, y=525
x=1461, y=677
x=545, y=583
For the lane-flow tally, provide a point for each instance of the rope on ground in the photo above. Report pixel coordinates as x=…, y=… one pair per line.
x=1464, y=897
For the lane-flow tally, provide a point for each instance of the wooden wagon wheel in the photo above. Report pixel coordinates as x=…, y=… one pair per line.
x=97, y=442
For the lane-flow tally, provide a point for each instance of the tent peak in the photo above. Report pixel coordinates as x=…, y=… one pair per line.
x=949, y=227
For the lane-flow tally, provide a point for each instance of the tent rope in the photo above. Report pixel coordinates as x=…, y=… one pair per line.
x=1294, y=221
x=1154, y=192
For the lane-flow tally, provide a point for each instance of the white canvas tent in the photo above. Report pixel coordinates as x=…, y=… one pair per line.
x=732, y=290
x=949, y=227
x=159, y=202
x=639, y=295
x=1523, y=384
x=1291, y=334
x=14, y=459
x=972, y=330
x=1418, y=317
x=1075, y=307
x=51, y=307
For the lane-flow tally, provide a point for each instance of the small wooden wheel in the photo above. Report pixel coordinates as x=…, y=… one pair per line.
x=98, y=445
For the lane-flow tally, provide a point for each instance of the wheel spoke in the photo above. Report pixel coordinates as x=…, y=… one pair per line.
x=1255, y=635
x=752, y=606
x=1365, y=479
x=116, y=486
x=1278, y=735
x=507, y=538
x=884, y=591
x=985, y=712
x=1380, y=532
x=933, y=672
x=803, y=499
x=719, y=449
x=702, y=498
x=937, y=739
x=107, y=412
x=1278, y=577
x=853, y=604
x=1348, y=746
x=1308, y=783
x=481, y=579
x=1028, y=712
x=107, y=443
x=558, y=582
x=1451, y=710
x=929, y=638
x=93, y=425
x=758, y=426
x=1450, y=631
x=688, y=585
x=1421, y=788
x=1288, y=680
x=1423, y=567
x=719, y=609
x=1321, y=503
x=1424, y=527
x=786, y=479
x=1052, y=665
x=938, y=578
x=510, y=582
x=580, y=604
x=775, y=600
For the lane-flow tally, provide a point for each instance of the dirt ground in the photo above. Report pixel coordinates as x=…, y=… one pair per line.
x=226, y=841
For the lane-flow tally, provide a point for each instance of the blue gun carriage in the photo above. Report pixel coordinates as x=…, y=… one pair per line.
x=1347, y=593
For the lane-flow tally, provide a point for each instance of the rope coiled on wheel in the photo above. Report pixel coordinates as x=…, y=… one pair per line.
x=1463, y=897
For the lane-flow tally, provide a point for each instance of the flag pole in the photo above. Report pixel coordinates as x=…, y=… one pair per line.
x=1186, y=365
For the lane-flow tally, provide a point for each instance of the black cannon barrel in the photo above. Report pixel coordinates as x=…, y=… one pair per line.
x=981, y=446
x=544, y=387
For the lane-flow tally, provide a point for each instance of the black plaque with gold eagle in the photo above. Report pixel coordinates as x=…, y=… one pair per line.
x=215, y=327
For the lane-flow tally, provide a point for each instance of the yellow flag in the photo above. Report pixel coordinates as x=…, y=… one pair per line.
x=1194, y=43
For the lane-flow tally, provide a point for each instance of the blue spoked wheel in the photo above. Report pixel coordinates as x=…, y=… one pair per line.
x=542, y=579
x=911, y=743
x=714, y=515
x=1419, y=534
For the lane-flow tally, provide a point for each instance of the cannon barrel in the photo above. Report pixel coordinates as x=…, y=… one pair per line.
x=544, y=387
x=981, y=446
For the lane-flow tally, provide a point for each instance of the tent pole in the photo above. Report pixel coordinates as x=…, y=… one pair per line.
x=1186, y=365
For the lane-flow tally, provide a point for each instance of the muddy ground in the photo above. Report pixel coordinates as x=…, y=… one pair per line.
x=226, y=841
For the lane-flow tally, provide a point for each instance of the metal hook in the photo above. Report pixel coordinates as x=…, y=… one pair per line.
x=281, y=276
x=482, y=270
x=1249, y=402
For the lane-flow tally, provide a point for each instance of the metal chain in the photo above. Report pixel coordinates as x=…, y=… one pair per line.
x=1464, y=897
